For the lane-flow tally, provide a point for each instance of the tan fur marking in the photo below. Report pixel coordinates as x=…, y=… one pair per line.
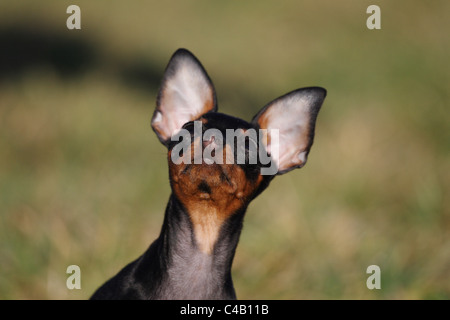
x=209, y=210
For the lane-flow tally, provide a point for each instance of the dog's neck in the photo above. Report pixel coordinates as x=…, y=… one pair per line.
x=188, y=271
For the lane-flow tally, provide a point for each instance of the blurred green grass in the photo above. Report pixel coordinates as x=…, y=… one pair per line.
x=83, y=179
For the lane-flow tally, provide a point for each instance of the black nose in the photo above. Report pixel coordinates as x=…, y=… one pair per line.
x=204, y=187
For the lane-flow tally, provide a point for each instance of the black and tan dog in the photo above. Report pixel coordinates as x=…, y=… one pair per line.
x=192, y=257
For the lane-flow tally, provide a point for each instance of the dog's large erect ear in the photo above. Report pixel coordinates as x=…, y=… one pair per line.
x=294, y=116
x=186, y=93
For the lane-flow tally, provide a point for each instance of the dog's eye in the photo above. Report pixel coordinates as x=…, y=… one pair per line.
x=188, y=125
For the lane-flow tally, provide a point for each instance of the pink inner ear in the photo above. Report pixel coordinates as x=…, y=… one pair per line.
x=290, y=149
x=175, y=111
x=291, y=116
x=163, y=126
x=186, y=95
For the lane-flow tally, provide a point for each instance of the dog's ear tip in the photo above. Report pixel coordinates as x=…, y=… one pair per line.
x=182, y=51
x=183, y=54
x=323, y=91
x=319, y=92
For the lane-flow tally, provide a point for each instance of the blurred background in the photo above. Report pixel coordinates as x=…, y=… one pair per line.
x=84, y=181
